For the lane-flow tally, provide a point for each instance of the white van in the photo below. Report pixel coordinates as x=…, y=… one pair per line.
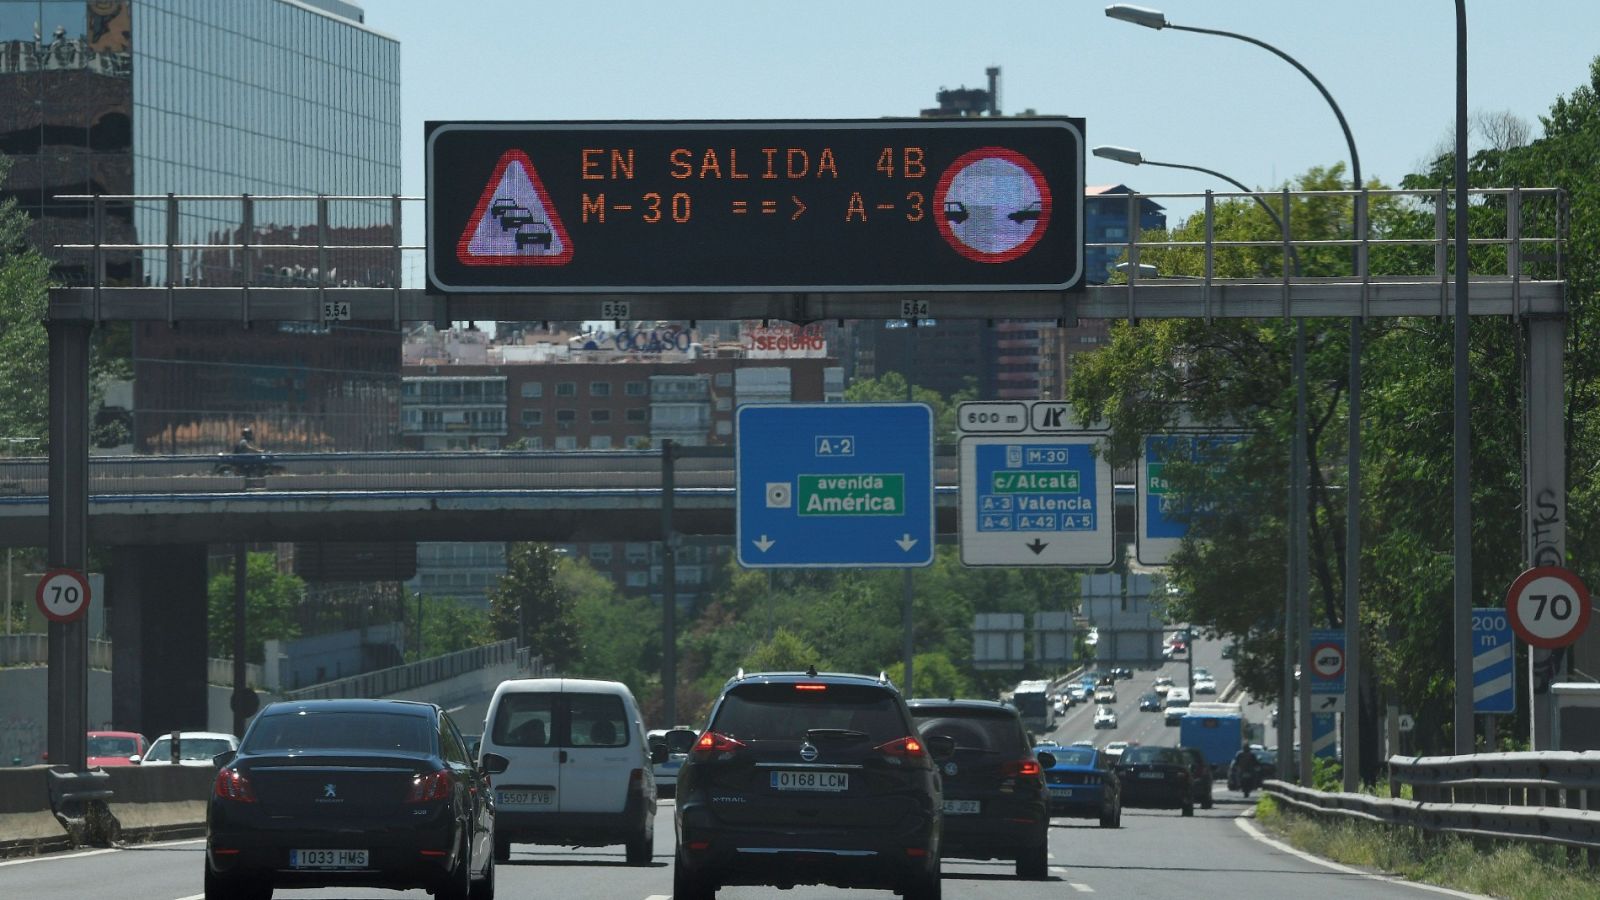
x=578, y=767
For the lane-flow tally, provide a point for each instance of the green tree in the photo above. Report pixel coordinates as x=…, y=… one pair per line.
x=24, y=346
x=532, y=605
x=448, y=625
x=936, y=676
x=620, y=636
x=891, y=388
x=786, y=652
x=271, y=599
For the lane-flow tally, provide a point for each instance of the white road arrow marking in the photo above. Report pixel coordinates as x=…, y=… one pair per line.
x=764, y=544
x=906, y=542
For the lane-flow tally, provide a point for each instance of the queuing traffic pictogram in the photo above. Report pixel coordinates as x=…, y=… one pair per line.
x=62, y=595
x=515, y=222
x=1548, y=606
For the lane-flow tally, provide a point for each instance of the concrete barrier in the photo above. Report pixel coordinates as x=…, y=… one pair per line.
x=28, y=825
x=158, y=802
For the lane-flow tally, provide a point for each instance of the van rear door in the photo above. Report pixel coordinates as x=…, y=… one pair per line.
x=524, y=731
x=601, y=751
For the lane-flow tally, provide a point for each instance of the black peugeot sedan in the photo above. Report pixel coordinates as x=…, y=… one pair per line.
x=371, y=793
x=995, y=802
x=1156, y=778
x=807, y=778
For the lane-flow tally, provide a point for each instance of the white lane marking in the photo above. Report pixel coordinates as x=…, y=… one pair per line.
x=1082, y=888
x=1057, y=870
x=1250, y=828
x=194, y=897
x=659, y=897
x=84, y=853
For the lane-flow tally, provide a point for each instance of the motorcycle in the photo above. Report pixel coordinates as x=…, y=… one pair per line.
x=1246, y=781
x=250, y=465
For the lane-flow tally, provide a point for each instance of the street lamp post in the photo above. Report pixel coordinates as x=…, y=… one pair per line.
x=1297, y=538
x=1154, y=19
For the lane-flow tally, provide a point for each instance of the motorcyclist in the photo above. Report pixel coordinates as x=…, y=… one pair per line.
x=1245, y=772
x=246, y=442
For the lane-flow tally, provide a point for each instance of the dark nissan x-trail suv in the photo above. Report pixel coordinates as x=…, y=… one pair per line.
x=803, y=778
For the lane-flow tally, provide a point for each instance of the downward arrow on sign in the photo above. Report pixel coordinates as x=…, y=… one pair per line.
x=764, y=544
x=1037, y=546
x=906, y=542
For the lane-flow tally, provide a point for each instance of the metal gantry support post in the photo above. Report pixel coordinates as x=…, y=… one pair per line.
x=67, y=682
x=1545, y=497
x=669, y=593
x=1461, y=606
x=1302, y=566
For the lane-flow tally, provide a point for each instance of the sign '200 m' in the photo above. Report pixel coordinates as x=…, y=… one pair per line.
x=757, y=207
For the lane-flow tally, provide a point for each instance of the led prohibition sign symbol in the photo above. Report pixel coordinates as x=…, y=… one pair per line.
x=1327, y=661
x=1548, y=606
x=63, y=595
x=992, y=204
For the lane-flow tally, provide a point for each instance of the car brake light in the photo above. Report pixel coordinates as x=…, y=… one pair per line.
x=908, y=747
x=810, y=687
x=231, y=785
x=431, y=786
x=712, y=742
x=1023, y=767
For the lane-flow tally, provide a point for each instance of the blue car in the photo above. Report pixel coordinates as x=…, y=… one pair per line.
x=1083, y=785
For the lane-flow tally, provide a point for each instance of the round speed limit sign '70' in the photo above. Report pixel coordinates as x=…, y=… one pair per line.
x=63, y=595
x=1548, y=606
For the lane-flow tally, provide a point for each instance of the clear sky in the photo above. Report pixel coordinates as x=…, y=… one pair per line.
x=1176, y=96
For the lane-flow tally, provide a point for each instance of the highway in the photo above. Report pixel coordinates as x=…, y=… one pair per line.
x=1156, y=853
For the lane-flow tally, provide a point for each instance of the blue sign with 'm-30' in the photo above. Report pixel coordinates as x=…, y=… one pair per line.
x=1494, y=683
x=835, y=485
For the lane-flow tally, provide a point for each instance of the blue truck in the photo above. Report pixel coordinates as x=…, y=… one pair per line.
x=1217, y=730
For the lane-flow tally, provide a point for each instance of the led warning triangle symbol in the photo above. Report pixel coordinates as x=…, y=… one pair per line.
x=515, y=222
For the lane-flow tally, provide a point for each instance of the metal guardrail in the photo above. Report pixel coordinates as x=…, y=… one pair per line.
x=1542, y=797
x=386, y=682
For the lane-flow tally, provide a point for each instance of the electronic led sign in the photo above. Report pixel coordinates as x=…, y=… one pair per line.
x=752, y=207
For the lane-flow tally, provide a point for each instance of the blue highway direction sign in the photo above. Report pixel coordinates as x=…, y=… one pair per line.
x=1036, y=500
x=1164, y=515
x=835, y=485
x=1493, y=662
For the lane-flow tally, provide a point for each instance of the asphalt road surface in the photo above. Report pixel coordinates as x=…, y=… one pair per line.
x=1155, y=854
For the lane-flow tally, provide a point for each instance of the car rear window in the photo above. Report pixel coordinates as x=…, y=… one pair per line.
x=526, y=719
x=598, y=720
x=772, y=712
x=1066, y=756
x=342, y=730
x=975, y=729
x=1160, y=755
x=188, y=748
x=112, y=746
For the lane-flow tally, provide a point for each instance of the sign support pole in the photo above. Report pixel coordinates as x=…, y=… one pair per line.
x=67, y=683
x=241, y=558
x=908, y=640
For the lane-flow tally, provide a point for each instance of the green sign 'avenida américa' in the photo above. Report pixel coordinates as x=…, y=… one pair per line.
x=1032, y=482
x=851, y=495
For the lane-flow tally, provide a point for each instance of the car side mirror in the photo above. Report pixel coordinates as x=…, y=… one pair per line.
x=223, y=758
x=658, y=752
x=940, y=746
x=494, y=764
x=1047, y=760
x=136, y=760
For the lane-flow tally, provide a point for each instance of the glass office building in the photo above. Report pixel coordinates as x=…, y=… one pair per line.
x=265, y=97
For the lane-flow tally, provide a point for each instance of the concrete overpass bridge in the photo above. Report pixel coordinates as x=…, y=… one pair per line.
x=140, y=501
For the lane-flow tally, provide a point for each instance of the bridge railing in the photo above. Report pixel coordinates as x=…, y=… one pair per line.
x=1548, y=797
x=393, y=680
